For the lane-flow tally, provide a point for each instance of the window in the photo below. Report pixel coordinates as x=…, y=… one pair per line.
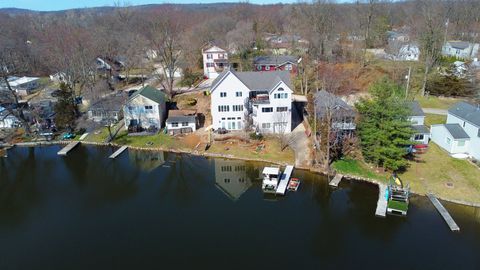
x=220, y=55
x=238, y=108
x=419, y=137
x=280, y=89
x=267, y=109
x=282, y=109
x=280, y=95
x=267, y=67
x=223, y=94
x=226, y=168
x=184, y=124
x=449, y=141
x=148, y=107
x=265, y=125
x=209, y=56
x=238, y=94
x=288, y=67
x=174, y=124
x=226, y=180
x=210, y=65
x=259, y=67
x=223, y=108
x=478, y=135
x=463, y=123
x=461, y=143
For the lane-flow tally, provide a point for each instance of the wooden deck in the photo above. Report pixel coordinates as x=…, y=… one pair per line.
x=336, y=180
x=284, y=179
x=382, y=201
x=118, y=152
x=68, y=148
x=446, y=216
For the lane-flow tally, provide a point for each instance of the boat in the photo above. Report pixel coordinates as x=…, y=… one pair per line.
x=293, y=184
x=271, y=176
x=397, y=196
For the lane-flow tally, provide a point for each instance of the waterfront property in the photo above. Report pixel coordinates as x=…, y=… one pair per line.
x=342, y=115
x=107, y=110
x=181, y=121
x=421, y=133
x=461, y=133
x=145, y=110
x=260, y=99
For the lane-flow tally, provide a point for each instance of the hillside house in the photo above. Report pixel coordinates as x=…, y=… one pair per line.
x=145, y=109
x=107, y=110
x=342, y=114
x=461, y=133
x=276, y=62
x=215, y=60
x=262, y=99
x=460, y=49
x=7, y=120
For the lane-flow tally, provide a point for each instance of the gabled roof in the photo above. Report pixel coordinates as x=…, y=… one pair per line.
x=256, y=80
x=181, y=118
x=416, y=109
x=325, y=100
x=457, y=44
x=420, y=129
x=214, y=49
x=467, y=112
x=110, y=103
x=275, y=60
x=151, y=93
x=456, y=131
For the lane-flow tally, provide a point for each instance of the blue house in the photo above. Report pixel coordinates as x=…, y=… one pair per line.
x=461, y=133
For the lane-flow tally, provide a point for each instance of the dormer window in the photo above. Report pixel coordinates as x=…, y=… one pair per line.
x=280, y=89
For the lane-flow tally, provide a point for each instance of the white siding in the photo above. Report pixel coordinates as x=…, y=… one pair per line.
x=274, y=119
x=235, y=120
x=442, y=137
x=472, y=131
x=135, y=110
x=215, y=52
x=180, y=126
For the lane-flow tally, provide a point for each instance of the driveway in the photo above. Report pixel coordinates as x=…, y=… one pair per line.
x=435, y=111
x=300, y=143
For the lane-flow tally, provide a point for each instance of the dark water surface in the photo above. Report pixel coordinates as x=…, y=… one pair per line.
x=167, y=211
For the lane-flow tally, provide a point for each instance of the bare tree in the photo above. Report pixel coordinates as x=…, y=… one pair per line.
x=280, y=128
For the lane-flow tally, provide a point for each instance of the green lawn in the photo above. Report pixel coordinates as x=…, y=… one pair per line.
x=437, y=102
x=159, y=140
x=357, y=168
x=434, y=119
x=436, y=168
x=98, y=136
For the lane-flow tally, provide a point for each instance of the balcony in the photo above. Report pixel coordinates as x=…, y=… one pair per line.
x=259, y=98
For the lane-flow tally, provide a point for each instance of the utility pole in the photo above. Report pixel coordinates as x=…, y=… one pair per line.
x=408, y=81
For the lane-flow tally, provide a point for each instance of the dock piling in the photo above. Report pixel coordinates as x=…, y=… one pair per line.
x=444, y=213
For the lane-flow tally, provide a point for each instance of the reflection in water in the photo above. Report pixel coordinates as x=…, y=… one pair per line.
x=146, y=161
x=231, y=177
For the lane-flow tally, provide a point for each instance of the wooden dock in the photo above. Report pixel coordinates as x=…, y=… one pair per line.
x=336, y=180
x=446, y=216
x=67, y=148
x=382, y=201
x=84, y=135
x=118, y=152
x=284, y=179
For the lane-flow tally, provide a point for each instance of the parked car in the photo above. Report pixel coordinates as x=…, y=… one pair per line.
x=68, y=135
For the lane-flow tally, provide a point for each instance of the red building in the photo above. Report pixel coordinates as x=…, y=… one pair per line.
x=276, y=62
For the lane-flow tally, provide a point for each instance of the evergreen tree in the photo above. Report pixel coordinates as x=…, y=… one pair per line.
x=384, y=128
x=65, y=109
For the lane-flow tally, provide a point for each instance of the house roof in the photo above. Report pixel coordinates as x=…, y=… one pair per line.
x=271, y=170
x=416, y=109
x=257, y=80
x=324, y=100
x=181, y=112
x=15, y=81
x=275, y=60
x=467, y=112
x=181, y=118
x=421, y=129
x=456, y=131
x=457, y=44
x=151, y=93
x=111, y=103
x=213, y=49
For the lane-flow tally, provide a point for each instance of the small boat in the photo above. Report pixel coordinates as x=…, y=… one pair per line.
x=293, y=184
x=397, y=196
x=271, y=176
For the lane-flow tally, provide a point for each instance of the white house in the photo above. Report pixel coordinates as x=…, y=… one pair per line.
x=23, y=85
x=422, y=134
x=145, y=109
x=263, y=99
x=461, y=133
x=215, y=60
x=8, y=120
x=460, y=49
x=181, y=121
x=408, y=52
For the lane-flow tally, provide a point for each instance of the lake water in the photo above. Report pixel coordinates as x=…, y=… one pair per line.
x=166, y=211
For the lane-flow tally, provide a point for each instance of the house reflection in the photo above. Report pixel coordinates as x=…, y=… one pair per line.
x=146, y=160
x=231, y=178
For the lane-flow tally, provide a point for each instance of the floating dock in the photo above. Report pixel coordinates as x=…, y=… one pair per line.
x=118, y=152
x=336, y=180
x=67, y=148
x=382, y=201
x=284, y=179
x=446, y=216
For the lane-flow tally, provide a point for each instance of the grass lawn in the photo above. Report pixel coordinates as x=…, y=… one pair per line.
x=271, y=152
x=358, y=168
x=152, y=141
x=436, y=168
x=437, y=102
x=98, y=136
x=434, y=119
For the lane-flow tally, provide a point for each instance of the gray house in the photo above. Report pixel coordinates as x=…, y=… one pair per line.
x=460, y=49
x=461, y=133
x=422, y=134
x=342, y=113
x=146, y=109
x=107, y=110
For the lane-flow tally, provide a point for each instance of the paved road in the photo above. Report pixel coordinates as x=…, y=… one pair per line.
x=435, y=111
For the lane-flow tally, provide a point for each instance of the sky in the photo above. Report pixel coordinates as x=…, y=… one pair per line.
x=51, y=5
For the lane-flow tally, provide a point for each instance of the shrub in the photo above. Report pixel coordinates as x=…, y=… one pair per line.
x=255, y=136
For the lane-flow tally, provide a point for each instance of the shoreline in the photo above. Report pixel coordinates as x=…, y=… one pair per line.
x=215, y=155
